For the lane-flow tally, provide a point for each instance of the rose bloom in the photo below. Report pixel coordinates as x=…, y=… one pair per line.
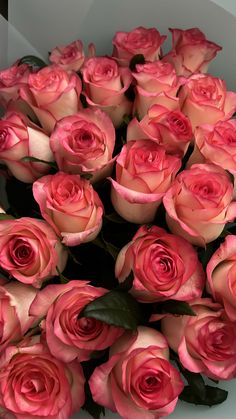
x=30, y=250
x=105, y=84
x=221, y=276
x=156, y=83
x=70, y=205
x=198, y=204
x=84, y=143
x=205, y=343
x=144, y=172
x=205, y=100
x=171, y=129
x=69, y=336
x=191, y=51
x=138, y=41
x=15, y=301
x=19, y=138
x=34, y=384
x=216, y=144
x=68, y=57
x=164, y=266
x=52, y=93
x=138, y=381
x=11, y=79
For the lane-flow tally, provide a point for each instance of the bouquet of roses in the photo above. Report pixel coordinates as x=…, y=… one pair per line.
x=117, y=233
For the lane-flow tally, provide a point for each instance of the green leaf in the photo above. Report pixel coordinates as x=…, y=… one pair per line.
x=6, y=217
x=194, y=380
x=174, y=307
x=94, y=409
x=116, y=308
x=213, y=396
x=86, y=176
x=127, y=284
x=35, y=160
x=33, y=61
x=136, y=59
x=63, y=279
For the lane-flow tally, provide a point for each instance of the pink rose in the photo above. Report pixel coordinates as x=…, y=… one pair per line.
x=157, y=83
x=15, y=321
x=138, y=381
x=216, y=144
x=205, y=343
x=20, y=138
x=221, y=276
x=144, y=172
x=171, y=129
x=30, y=250
x=105, y=84
x=52, y=93
x=198, y=204
x=164, y=266
x=204, y=100
x=191, y=51
x=84, y=143
x=34, y=384
x=68, y=57
x=11, y=79
x=70, y=205
x=69, y=336
x=138, y=41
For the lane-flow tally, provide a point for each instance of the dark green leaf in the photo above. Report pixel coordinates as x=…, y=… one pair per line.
x=33, y=61
x=94, y=409
x=6, y=217
x=63, y=279
x=83, y=101
x=136, y=59
x=116, y=308
x=213, y=396
x=174, y=307
x=86, y=176
x=126, y=285
x=194, y=380
x=35, y=160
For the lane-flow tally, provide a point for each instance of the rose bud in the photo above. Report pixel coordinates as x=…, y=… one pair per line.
x=71, y=206
x=205, y=343
x=105, y=84
x=68, y=57
x=34, y=384
x=171, y=129
x=204, y=100
x=164, y=266
x=138, y=381
x=198, y=203
x=144, y=172
x=157, y=83
x=30, y=250
x=221, y=276
x=52, y=93
x=15, y=301
x=84, y=143
x=11, y=79
x=69, y=336
x=191, y=51
x=215, y=144
x=19, y=138
x=138, y=41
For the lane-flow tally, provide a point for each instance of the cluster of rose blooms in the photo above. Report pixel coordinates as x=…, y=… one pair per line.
x=175, y=106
